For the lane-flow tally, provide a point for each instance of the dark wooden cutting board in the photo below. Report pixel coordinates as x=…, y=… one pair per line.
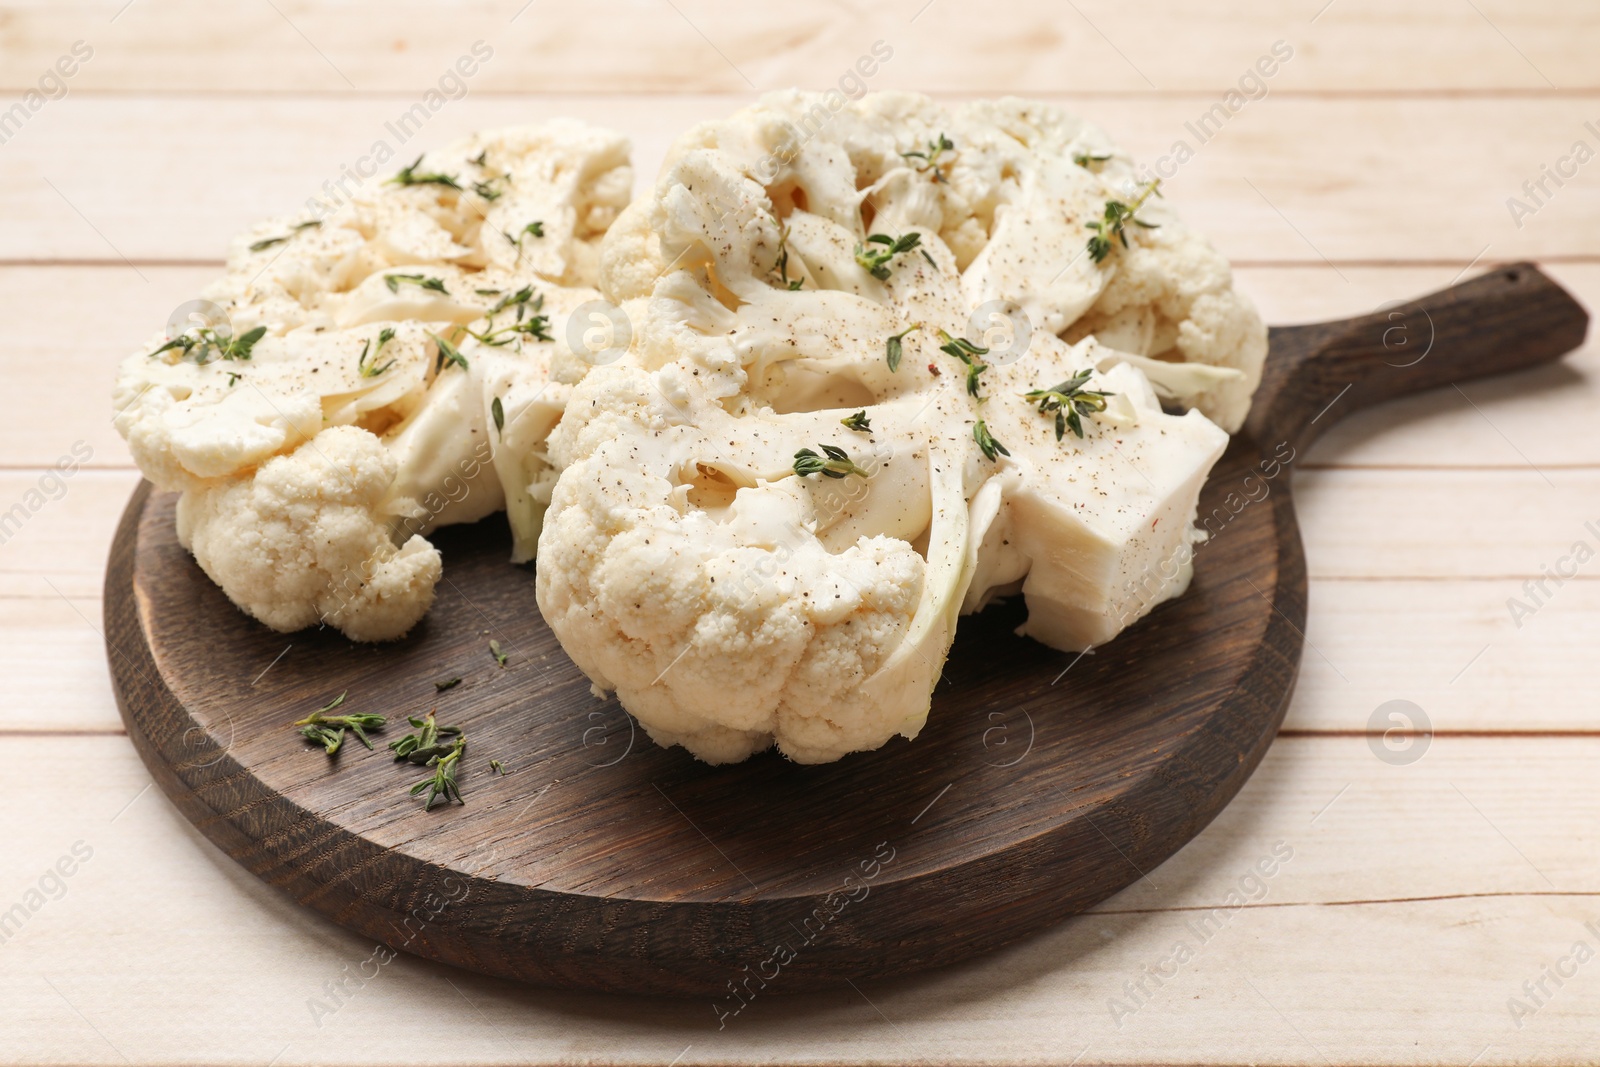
x=1043, y=782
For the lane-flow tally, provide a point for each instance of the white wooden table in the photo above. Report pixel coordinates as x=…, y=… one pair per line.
x=1426, y=896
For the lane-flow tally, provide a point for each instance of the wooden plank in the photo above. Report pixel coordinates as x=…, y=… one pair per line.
x=1382, y=939
x=1291, y=178
x=722, y=45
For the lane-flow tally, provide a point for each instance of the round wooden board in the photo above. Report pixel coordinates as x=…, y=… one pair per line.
x=1043, y=782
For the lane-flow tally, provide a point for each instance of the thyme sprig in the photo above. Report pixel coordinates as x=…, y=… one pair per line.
x=443, y=780
x=858, y=421
x=968, y=354
x=834, y=463
x=930, y=157
x=535, y=228
x=429, y=740
x=448, y=353
x=498, y=653
x=421, y=281
x=876, y=260
x=328, y=730
x=1070, y=401
x=894, y=349
x=1088, y=160
x=986, y=441
x=372, y=370
x=205, y=345
x=527, y=323
x=409, y=176
x=1112, y=226
x=268, y=242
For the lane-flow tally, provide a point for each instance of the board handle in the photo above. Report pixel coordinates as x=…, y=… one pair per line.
x=1509, y=319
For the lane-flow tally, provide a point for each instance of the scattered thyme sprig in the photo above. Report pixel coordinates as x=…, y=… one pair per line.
x=372, y=370
x=986, y=441
x=876, y=260
x=448, y=353
x=421, y=281
x=429, y=741
x=930, y=157
x=498, y=411
x=409, y=176
x=498, y=653
x=967, y=353
x=536, y=228
x=1087, y=160
x=443, y=780
x=199, y=346
x=1112, y=227
x=266, y=243
x=445, y=683
x=1070, y=401
x=858, y=421
x=894, y=350
x=528, y=321
x=328, y=730
x=837, y=463
x=781, y=264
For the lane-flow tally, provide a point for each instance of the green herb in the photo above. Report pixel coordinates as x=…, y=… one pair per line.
x=261, y=246
x=536, y=228
x=486, y=190
x=837, y=463
x=781, y=264
x=895, y=350
x=448, y=353
x=409, y=176
x=930, y=157
x=447, y=683
x=421, y=281
x=1086, y=160
x=232, y=378
x=429, y=742
x=986, y=442
x=796, y=284
x=488, y=292
x=499, y=656
x=1112, y=227
x=372, y=370
x=1070, y=400
x=477, y=160
x=858, y=421
x=967, y=353
x=199, y=346
x=876, y=260
x=497, y=766
x=443, y=781
x=328, y=730
x=499, y=413
x=528, y=322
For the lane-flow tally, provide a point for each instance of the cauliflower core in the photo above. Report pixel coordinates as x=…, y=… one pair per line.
x=690, y=565
x=390, y=368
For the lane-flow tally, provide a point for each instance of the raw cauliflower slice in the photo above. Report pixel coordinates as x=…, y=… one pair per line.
x=765, y=275
x=426, y=313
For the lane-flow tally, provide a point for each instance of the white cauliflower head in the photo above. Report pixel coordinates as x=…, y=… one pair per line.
x=427, y=313
x=779, y=282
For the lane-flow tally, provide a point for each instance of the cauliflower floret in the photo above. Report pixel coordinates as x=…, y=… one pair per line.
x=305, y=539
x=427, y=313
x=765, y=277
